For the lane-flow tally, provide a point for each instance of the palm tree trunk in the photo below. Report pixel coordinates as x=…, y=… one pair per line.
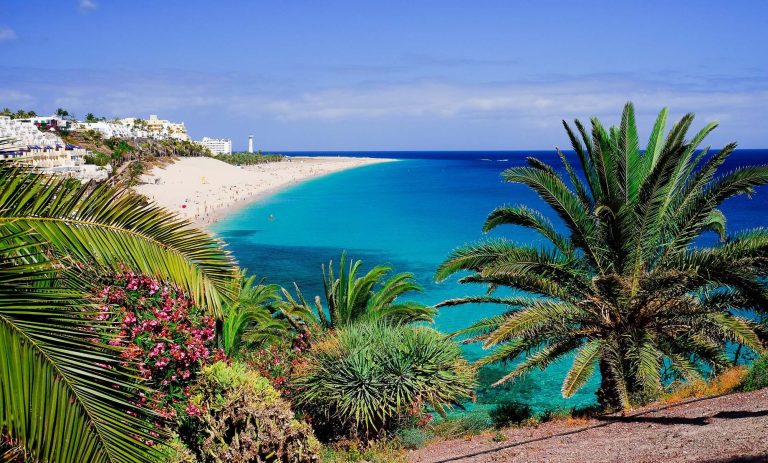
x=608, y=396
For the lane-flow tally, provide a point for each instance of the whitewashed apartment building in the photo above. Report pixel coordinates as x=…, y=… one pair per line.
x=45, y=150
x=131, y=127
x=217, y=145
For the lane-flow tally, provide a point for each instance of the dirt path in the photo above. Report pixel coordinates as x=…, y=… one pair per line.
x=731, y=428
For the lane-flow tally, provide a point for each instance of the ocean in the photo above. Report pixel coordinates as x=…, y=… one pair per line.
x=410, y=214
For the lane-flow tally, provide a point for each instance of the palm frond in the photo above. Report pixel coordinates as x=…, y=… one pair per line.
x=540, y=359
x=583, y=367
x=62, y=395
x=545, y=313
x=96, y=223
x=527, y=217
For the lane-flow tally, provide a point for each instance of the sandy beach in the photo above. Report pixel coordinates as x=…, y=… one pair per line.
x=204, y=189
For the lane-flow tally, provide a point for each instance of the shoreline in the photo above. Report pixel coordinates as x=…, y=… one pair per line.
x=205, y=190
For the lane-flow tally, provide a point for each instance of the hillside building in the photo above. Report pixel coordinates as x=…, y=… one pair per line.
x=217, y=145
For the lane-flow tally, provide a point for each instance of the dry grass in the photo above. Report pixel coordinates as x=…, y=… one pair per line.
x=381, y=451
x=727, y=381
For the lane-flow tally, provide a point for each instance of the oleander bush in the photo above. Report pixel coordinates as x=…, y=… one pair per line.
x=241, y=418
x=371, y=378
x=163, y=333
x=278, y=362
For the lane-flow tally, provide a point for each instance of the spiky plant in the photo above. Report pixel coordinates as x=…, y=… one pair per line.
x=57, y=396
x=350, y=298
x=364, y=377
x=250, y=320
x=627, y=288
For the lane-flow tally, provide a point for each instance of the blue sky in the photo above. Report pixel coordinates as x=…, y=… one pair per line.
x=394, y=75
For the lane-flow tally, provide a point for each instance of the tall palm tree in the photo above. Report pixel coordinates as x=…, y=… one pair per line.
x=349, y=298
x=628, y=288
x=58, y=401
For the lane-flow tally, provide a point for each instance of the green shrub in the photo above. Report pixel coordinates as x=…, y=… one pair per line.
x=363, y=379
x=469, y=424
x=412, y=438
x=176, y=452
x=237, y=416
x=757, y=376
x=510, y=413
x=248, y=159
x=97, y=158
x=378, y=451
x=554, y=414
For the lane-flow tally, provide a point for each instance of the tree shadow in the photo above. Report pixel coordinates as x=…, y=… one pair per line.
x=746, y=459
x=607, y=420
x=679, y=420
x=736, y=414
x=665, y=420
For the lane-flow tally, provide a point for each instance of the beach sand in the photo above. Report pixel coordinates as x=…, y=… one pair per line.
x=204, y=189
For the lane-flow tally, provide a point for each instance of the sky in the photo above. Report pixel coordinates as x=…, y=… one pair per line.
x=394, y=75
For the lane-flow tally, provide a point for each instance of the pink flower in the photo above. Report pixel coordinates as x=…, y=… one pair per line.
x=192, y=410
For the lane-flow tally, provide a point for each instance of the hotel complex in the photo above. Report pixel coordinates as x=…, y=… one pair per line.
x=41, y=148
x=217, y=145
x=130, y=127
x=36, y=140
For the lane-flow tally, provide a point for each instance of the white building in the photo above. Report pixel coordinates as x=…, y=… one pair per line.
x=175, y=130
x=25, y=132
x=112, y=129
x=131, y=127
x=39, y=148
x=217, y=145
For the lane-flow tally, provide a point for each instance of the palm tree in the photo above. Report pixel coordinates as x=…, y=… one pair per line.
x=349, y=298
x=58, y=400
x=628, y=289
x=250, y=320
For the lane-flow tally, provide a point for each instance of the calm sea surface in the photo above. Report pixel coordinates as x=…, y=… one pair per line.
x=411, y=214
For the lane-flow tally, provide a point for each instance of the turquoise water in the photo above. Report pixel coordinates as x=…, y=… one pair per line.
x=411, y=214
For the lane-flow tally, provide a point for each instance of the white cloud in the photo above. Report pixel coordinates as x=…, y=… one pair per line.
x=540, y=103
x=7, y=34
x=14, y=97
x=423, y=114
x=87, y=5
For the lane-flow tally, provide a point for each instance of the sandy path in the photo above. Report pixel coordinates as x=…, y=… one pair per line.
x=731, y=428
x=204, y=189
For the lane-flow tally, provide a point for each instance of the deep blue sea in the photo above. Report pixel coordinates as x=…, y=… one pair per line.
x=411, y=214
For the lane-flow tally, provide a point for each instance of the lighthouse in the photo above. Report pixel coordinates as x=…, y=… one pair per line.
x=250, y=143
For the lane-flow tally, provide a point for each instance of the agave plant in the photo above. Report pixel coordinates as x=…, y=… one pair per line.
x=350, y=298
x=58, y=400
x=364, y=377
x=249, y=321
x=627, y=289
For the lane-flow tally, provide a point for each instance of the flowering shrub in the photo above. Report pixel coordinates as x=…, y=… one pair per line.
x=277, y=363
x=164, y=334
x=243, y=419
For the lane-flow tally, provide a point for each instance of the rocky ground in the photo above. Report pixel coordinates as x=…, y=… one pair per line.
x=731, y=428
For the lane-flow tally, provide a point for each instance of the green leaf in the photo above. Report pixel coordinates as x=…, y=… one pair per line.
x=582, y=369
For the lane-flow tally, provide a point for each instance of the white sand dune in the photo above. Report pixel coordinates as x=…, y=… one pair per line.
x=204, y=189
